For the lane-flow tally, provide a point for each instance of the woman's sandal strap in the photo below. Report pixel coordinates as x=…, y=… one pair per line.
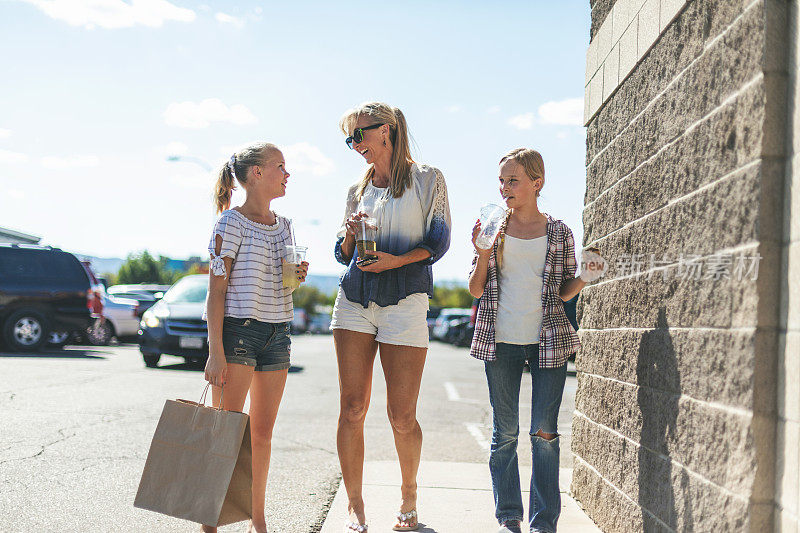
x=405, y=517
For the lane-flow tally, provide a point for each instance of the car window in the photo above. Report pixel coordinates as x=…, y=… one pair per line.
x=188, y=290
x=41, y=265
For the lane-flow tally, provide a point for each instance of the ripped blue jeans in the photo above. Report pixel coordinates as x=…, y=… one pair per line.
x=504, y=376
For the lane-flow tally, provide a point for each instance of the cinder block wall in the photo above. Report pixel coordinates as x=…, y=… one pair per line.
x=787, y=482
x=677, y=402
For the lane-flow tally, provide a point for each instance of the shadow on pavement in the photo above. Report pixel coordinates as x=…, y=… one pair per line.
x=57, y=354
x=201, y=366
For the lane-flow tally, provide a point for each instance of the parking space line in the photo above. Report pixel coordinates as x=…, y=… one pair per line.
x=452, y=392
x=454, y=396
x=475, y=430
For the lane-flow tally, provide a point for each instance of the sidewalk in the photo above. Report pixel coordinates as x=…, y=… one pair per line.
x=453, y=498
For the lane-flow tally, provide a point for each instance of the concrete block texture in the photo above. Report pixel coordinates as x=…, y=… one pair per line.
x=623, y=14
x=659, y=493
x=711, y=441
x=611, y=72
x=669, y=9
x=734, y=58
x=628, y=53
x=648, y=25
x=709, y=365
x=787, y=481
x=716, y=146
x=600, y=10
x=788, y=392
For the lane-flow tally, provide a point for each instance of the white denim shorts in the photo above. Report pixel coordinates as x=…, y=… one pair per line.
x=404, y=323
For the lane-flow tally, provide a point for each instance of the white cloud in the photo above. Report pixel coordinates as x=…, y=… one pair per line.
x=229, y=19
x=113, y=14
x=453, y=108
x=176, y=148
x=562, y=135
x=7, y=156
x=493, y=109
x=72, y=161
x=522, y=122
x=201, y=115
x=4, y=133
x=304, y=158
x=192, y=181
x=562, y=113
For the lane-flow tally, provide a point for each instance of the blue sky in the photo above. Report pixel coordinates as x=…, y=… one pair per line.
x=98, y=94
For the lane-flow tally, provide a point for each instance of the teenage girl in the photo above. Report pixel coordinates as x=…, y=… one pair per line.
x=523, y=281
x=249, y=311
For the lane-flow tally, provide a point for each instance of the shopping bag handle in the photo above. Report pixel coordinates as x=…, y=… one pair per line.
x=205, y=393
x=202, y=403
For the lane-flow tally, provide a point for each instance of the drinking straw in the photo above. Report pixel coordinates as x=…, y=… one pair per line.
x=291, y=233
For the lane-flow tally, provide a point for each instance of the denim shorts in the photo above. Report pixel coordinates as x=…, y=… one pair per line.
x=263, y=345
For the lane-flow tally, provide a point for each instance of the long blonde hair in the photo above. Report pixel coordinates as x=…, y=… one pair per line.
x=533, y=165
x=380, y=113
x=238, y=167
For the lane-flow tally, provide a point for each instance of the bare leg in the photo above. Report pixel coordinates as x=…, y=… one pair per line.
x=266, y=392
x=402, y=368
x=236, y=386
x=355, y=353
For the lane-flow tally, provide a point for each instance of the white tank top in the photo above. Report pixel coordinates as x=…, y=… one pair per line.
x=519, y=307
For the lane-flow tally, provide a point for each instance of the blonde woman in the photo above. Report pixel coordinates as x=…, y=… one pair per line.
x=248, y=308
x=382, y=301
x=522, y=281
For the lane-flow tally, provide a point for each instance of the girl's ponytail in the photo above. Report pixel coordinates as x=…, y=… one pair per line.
x=224, y=188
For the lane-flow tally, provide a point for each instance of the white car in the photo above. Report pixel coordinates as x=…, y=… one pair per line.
x=120, y=320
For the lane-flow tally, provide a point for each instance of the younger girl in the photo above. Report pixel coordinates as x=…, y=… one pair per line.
x=249, y=311
x=522, y=281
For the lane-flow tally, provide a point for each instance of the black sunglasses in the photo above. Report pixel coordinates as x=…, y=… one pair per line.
x=358, y=135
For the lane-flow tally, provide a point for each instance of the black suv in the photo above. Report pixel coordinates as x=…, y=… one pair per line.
x=43, y=290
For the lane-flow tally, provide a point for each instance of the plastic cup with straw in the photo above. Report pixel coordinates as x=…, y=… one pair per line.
x=291, y=263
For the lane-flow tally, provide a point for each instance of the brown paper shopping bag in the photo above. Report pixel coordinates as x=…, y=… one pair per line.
x=199, y=464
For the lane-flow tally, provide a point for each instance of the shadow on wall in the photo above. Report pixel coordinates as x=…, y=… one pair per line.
x=659, y=389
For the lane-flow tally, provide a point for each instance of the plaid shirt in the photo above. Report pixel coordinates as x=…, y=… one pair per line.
x=557, y=338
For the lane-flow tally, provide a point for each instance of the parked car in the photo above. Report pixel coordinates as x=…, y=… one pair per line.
x=45, y=293
x=146, y=294
x=444, y=319
x=175, y=325
x=462, y=329
x=433, y=314
x=119, y=320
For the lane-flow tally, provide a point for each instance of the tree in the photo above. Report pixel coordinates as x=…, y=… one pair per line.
x=144, y=268
x=444, y=296
x=308, y=298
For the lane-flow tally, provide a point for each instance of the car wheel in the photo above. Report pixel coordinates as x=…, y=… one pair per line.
x=26, y=330
x=58, y=339
x=151, y=360
x=100, y=333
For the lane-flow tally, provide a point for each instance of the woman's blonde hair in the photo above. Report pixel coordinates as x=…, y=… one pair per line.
x=237, y=168
x=380, y=113
x=533, y=165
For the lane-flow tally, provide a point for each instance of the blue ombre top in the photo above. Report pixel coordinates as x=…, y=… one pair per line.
x=418, y=219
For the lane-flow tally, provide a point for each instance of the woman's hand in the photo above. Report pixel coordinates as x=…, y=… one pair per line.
x=352, y=225
x=476, y=230
x=216, y=367
x=385, y=262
